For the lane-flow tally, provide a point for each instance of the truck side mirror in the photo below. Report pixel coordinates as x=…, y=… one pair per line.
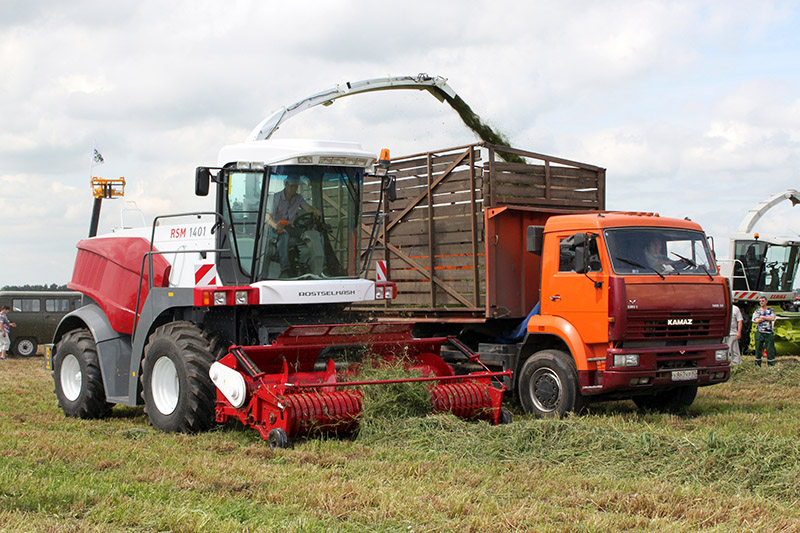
x=580, y=244
x=534, y=239
x=202, y=177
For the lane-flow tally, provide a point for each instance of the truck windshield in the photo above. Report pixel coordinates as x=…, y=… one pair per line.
x=663, y=251
x=761, y=266
x=295, y=221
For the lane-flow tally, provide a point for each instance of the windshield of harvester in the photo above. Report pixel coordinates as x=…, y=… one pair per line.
x=295, y=221
x=663, y=251
x=767, y=267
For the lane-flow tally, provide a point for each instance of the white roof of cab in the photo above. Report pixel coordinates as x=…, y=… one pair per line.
x=276, y=151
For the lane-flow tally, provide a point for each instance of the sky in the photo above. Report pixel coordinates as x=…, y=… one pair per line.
x=692, y=107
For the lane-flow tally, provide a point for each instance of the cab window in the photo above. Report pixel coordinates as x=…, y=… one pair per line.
x=26, y=305
x=568, y=249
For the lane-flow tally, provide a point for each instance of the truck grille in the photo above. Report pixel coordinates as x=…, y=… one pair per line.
x=675, y=326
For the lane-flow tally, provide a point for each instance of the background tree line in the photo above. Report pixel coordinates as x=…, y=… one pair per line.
x=51, y=287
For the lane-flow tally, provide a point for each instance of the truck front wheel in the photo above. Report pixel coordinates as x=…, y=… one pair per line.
x=178, y=393
x=548, y=385
x=76, y=372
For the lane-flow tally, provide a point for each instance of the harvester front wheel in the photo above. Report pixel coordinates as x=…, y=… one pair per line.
x=76, y=372
x=548, y=385
x=178, y=393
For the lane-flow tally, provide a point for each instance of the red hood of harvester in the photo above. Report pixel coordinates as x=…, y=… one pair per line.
x=107, y=270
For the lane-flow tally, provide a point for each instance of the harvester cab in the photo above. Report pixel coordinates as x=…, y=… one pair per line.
x=293, y=210
x=760, y=265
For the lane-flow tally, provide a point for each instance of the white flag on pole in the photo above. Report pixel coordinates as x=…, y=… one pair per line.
x=97, y=157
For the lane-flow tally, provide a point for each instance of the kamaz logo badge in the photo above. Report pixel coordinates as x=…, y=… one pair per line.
x=679, y=322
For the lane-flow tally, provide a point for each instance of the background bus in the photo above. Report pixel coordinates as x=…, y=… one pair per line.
x=36, y=313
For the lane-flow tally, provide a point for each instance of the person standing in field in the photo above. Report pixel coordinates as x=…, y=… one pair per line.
x=5, y=328
x=734, y=335
x=764, y=319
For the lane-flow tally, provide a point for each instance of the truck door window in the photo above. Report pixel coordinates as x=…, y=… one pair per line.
x=567, y=251
x=566, y=257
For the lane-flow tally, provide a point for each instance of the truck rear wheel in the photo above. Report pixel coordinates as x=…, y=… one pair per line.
x=671, y=401
x=548, y=385
x=178, y=393
x=76, y=372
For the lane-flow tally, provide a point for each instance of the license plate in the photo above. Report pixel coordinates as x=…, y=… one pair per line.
x=684, y=375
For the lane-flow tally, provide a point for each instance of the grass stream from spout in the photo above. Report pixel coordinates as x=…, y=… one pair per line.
x=731, y=463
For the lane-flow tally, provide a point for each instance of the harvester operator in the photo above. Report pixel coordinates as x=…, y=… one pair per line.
x=285, y=207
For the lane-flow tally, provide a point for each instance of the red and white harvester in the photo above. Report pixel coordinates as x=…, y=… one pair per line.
x=217, y=315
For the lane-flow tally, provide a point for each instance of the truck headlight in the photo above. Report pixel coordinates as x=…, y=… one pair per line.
x=628, y=359
x=722, y=355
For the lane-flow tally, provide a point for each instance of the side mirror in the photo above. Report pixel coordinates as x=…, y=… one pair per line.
x=390, y=186
x=534, y=239
x=202, y=177
x=580, y=244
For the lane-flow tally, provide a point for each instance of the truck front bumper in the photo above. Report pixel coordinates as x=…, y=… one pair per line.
x=659, y=368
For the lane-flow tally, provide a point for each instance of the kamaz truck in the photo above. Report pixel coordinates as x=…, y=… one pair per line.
x=523, y=264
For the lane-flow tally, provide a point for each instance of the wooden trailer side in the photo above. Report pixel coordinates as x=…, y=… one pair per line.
x=433, y=236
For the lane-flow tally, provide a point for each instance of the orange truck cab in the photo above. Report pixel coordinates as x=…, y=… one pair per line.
x=631, y=306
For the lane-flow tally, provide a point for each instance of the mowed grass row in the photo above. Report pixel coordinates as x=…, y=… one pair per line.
x=730, y=464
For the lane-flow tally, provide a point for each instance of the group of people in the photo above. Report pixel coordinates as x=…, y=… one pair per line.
x=764, y=321
x=5, y=329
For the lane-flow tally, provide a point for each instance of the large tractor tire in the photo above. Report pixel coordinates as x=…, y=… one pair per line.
x=178, y=393
x=76, y=372
x=670, y=401
x=548, y=385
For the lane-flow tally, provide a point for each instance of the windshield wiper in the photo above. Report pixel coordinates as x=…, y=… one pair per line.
x=634, y=263
x=693, y=264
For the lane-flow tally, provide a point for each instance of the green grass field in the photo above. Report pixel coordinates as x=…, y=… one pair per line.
x=732, y=463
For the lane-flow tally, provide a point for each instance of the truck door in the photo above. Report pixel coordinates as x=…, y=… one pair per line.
x=578, y=297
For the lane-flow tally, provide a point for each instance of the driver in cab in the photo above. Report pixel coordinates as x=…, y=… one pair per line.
x=656, y=257
x=285, y=207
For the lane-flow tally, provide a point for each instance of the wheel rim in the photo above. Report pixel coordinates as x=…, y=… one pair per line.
x=165, y=385
x=24, y=348
x=71, y=377
x=545, y=390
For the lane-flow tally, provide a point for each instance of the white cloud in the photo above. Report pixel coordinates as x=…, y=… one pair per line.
x=690, y=105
